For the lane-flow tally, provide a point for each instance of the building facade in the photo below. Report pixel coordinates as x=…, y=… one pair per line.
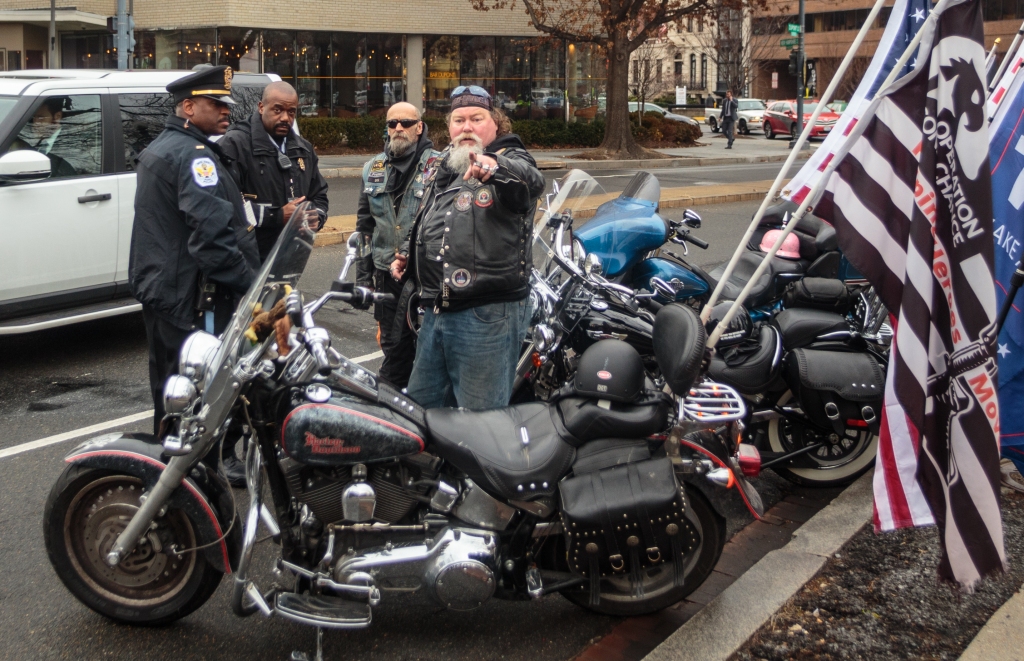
x=345, y=58
x=680, y=56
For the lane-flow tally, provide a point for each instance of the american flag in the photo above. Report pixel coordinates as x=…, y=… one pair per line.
x=911, y=201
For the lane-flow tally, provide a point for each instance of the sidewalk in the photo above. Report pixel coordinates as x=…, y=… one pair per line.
x=1002, y=639
x=338, y=228
x=710, y=151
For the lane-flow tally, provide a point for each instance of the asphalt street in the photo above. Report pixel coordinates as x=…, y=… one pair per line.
x=65, y=379
x=343, y=193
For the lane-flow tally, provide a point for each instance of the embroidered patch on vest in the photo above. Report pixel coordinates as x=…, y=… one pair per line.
x=377, y=165
x=463, y=201
x=204, y=172
x=461, y=277
x=302, y=164
x=483, y=198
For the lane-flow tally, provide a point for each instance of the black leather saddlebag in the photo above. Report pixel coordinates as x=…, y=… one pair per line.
x=622, y=520
x=837, y=390
x=819, y=294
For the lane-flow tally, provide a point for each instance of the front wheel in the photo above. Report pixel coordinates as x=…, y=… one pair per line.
x=743, y=128
x=768, y=132
x=660, y=590
x=713, y=124
x=838, y=462
x=85, y=512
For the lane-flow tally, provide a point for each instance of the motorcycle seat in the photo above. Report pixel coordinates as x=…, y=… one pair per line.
x=749, y=367
x=516, y=453
x=768, y=287
x=586, y=421
x=800, y=327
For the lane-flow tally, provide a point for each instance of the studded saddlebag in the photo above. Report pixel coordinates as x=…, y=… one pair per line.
x=622, y=520
x=837, y=390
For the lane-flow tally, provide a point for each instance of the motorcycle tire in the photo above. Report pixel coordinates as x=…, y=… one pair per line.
x=824, y=473
x=660, y=592
x=84, y=513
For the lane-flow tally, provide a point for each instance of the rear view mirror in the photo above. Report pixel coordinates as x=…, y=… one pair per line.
x=358, y=246
x=24, y=165
x=691, y=219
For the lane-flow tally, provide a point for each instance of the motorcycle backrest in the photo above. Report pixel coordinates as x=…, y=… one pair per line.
x=679, y=344
x=815, y=235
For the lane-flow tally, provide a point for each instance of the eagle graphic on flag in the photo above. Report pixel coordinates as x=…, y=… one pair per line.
x=910, y=197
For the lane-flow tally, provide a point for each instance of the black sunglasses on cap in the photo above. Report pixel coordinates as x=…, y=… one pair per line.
x=470, y=95
x=406, y=123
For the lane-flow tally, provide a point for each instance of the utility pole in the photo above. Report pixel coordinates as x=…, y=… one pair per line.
x=800, y=59
x=51, y=61
x=124, y=34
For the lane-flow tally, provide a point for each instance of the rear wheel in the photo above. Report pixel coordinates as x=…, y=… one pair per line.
x=659, y=582
x=713, y=124
x=768, y=132
x=839, y=461
x=85, y=512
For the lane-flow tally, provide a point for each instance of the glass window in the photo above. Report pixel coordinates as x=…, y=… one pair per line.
x=385, y=72
x=239, y=48
x=68, y=129
x=313, y=69
x=348, y=75
x=512, y=76
x=477, y=62
x=751, y=104
x=279, y=53
x=588, y=74
x=142, y=119
x=548, y=79
x=6, y=103
x=442, y=74
x=87, y=51
x=184, y=49
x=145, y=50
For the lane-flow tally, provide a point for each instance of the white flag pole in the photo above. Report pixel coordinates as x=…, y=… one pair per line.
x=819, y=185
x=1006, y=60
x=991, y=54
x=777, y=184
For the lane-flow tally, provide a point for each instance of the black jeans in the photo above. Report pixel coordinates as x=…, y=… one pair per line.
x=165, y=340
x=399, y=347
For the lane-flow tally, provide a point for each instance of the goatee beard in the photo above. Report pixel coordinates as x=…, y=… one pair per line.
x=399, y=147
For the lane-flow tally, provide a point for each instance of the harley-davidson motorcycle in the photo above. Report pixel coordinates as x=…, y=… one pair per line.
x=612, y=495
x=812, y=374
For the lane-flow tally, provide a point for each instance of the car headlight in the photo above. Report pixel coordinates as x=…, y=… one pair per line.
x=196, y=356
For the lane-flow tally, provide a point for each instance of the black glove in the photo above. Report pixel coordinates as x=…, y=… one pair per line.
x=364, y=272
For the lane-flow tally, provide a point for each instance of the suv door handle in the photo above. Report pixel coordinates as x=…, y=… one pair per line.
x=97, y=197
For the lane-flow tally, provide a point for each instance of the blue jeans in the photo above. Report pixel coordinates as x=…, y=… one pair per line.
x=468, y=358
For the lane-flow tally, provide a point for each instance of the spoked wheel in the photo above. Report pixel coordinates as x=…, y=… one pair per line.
x=839, y=461
x=659, y=586
x=768, y=132
x=86, y=511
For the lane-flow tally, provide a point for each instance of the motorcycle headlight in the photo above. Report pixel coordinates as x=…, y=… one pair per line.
x=179, y=394
x=196, y=355
x=578, y=253
x=592, y=265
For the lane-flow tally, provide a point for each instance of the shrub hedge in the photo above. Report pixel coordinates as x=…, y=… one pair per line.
x=367, y=133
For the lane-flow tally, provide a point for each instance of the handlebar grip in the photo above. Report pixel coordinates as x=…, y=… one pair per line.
x=383, y=298
x=703, y=245
x=323, y=365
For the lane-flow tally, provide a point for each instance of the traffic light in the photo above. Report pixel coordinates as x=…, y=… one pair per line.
x=131, y=34
x=793, y=64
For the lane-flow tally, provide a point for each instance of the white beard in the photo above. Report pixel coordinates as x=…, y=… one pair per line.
x=458, y=159
x=399, y=147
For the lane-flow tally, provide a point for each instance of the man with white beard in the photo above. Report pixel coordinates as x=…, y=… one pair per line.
x=393, y=184
x=469, y=259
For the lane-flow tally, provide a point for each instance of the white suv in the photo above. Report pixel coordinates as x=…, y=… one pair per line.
x=68, y=143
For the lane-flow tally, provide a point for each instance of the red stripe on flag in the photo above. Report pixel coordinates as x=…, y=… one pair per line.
x=850, y=127
x=998, y=95
x=898, y=507
x=825, y=162
x=798, y=198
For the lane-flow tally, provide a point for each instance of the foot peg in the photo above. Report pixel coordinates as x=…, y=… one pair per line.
x=326, y=612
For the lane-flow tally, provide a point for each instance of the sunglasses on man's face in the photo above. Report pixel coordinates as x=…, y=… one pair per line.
x=406, y=123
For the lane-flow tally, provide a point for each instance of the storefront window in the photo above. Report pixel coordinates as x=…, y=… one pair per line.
x=442, y=72
x=548, y=80
x=279, y=53
x=385, y=61
x=184, y=49
x=87, y=51
x=239, y=48
x=313, y=70
x=512, y=78
x=476, y=55
x=588, y=74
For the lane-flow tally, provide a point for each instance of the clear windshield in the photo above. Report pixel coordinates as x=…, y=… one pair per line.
x=751, y=104
x=577, y=193
x=6, y=103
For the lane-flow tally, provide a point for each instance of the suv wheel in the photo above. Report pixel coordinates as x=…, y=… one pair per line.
x=713, y=124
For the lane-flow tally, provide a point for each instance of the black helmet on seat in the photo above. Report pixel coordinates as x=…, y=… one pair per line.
x=740, y=327
x=612, y=370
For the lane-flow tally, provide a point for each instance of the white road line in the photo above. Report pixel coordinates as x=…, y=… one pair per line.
x=111, y=424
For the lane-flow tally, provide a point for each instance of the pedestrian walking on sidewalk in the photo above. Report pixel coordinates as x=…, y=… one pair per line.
x=730, y=115
x=393, y=185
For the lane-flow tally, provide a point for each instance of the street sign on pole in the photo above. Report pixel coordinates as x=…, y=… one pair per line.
x=793, y=28
x=775, y=80
x=789, y=43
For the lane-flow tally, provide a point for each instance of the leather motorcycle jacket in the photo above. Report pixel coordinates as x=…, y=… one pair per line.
x=471, y=244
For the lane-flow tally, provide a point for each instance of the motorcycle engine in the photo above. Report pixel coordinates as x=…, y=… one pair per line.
x=463, y=576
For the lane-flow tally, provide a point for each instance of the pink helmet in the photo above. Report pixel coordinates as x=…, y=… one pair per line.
x=790, y=248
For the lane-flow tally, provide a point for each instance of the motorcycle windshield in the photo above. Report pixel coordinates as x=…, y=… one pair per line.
x=577, y=193
x=282, y=268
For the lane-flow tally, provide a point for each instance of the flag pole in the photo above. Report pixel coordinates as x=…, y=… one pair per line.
x=1006, y=59
x=1016, y=281
x=991, y=55
x=819, y=185
x=794, y=152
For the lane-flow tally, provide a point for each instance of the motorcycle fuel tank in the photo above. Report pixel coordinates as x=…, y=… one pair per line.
x=687, y=283
x=344, y=431
x=621, y=232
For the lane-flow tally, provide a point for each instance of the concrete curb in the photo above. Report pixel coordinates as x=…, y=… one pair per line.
x=1000, y=637
x=725, y=624
x=680, y=162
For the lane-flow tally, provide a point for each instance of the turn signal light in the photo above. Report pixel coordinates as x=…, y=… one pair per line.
x=750, y=460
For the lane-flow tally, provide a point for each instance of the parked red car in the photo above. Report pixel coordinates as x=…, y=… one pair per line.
x=780, y=119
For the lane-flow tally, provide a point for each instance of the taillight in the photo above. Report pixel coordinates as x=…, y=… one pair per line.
x=750, y=460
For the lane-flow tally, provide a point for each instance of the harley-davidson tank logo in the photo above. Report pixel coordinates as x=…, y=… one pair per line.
x=604, y=375
x=319, y=445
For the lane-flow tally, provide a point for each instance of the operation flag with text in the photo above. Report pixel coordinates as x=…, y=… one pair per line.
x=911, y=201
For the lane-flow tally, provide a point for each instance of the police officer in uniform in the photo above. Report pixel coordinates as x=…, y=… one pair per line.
x=193, y=253
x=393, y=184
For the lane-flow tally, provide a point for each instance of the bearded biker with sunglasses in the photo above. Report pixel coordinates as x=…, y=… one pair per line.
x=393, y=185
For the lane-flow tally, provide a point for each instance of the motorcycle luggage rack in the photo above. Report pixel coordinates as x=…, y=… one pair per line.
x=711, y=402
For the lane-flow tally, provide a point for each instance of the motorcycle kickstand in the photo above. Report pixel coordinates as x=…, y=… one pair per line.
x=302, y=656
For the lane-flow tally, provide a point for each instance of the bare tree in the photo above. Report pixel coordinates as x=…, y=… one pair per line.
x=828, y=63
x=643, y=78
x=738, y=38
x=620, y=26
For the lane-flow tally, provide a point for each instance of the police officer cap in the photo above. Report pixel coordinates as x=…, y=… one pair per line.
x=212, y=82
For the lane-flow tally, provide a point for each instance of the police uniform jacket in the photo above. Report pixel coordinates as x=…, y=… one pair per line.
x=378, y=216
x=189, y=220
x=472, y=239
x=255, y=155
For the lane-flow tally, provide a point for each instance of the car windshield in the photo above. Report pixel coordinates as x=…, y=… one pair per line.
x=809, y=107
x=751, y=104
x=6, y=104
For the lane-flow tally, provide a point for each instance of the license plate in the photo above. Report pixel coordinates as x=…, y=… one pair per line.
x=826, y=129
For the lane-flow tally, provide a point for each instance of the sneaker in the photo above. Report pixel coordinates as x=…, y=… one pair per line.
x=234, y=470
x=1011, y=478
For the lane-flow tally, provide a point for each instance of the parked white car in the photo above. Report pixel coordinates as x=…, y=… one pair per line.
x=68, y=143
x=750, y=111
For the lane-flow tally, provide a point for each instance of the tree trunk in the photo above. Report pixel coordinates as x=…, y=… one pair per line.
x=618, y=137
